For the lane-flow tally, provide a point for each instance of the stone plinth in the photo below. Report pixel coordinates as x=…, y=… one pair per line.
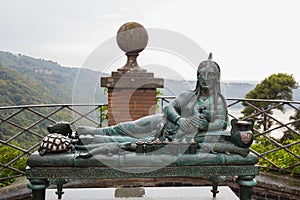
x=131, y=95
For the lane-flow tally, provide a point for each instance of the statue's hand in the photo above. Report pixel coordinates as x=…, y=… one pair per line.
x=195, y=120
x=203, y=124
x=200, y=122
x=184, y=124
x=208, y=114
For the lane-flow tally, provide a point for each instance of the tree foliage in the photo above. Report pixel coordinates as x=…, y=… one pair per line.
x=296, y=116
x=8, y=154
x=275, y=87
x=280, y=158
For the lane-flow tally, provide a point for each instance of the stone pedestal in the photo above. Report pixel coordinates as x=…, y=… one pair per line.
x=131, y=89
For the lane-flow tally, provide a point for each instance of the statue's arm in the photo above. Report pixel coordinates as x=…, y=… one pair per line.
x=220, y=119
x=171, y=111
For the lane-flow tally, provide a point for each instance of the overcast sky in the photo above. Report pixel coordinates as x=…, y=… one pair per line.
x=249, y=39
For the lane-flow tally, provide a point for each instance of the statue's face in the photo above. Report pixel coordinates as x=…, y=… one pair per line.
x=207, y=78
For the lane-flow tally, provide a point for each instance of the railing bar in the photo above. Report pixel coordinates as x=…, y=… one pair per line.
x=262, y=157
x=292, y=166
x=258, y=133
x=161, y=97
x=11, y=116
x=266, y=115
x=80, y=114
x=232, y=104
x=34, y=124
x=166, y=97
x=13, y=146
x=283, y=125
x=15, y=176
x=291, y=105
x=41, y=115
x=22, y=128
x=46, y=105
x=282, y=147
x=230, y=115
x=263, y=100
x=14, y=160
x=11, y=168
x=272, y=140
x=261, y=111
x=7, y=165
x=279, y=148
x=83, y=116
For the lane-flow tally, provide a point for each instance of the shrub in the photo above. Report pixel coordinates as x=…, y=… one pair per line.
x=281, y=157
x=7, y=154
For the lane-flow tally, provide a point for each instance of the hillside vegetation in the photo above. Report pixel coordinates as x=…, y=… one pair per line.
x=29, y=81
x=49, y=77
x=18, y=89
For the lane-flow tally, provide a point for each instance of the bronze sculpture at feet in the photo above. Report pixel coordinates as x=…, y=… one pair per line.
x=198, y=116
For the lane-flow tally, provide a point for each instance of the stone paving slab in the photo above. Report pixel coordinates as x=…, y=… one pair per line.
x=151, y=193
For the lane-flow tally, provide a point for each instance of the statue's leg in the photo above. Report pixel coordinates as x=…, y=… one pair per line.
x=38, y=187
x=246, y=183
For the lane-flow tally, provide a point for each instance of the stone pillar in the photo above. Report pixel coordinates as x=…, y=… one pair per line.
x=131, y=89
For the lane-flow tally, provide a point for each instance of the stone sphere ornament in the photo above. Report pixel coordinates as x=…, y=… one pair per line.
x=132, y=37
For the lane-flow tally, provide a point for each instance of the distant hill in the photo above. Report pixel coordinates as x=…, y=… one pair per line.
x=28, y=81
x=58, y=81
x=19, y=89
x=53, y=83
x=228, y=89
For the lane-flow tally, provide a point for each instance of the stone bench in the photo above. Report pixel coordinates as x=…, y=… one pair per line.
x=58, y=168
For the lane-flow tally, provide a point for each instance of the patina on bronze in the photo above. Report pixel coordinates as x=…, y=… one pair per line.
x=191, y=136
x=199, y=115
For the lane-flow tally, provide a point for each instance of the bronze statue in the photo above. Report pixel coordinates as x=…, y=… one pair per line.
x=198, y=117
x=191, y=115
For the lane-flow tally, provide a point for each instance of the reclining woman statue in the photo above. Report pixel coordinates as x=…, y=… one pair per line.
x=193, y=114
x=197, y=116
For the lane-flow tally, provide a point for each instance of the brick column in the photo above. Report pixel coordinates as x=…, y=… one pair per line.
x=131, y=89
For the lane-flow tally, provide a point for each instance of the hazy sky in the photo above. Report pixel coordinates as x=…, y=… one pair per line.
x=249, y=39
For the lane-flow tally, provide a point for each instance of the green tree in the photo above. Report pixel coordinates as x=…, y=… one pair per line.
x=296, y=116
x=8, y=154
x=277, y=86
x=290, y=134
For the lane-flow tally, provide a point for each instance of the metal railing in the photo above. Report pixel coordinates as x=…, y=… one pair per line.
x=23, y=127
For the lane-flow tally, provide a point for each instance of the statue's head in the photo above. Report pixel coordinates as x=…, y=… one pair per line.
x=208, y=76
